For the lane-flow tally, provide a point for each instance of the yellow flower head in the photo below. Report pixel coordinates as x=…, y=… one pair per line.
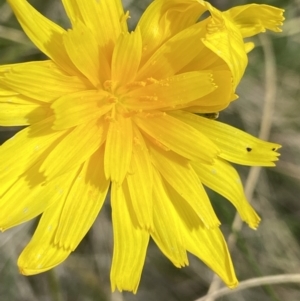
x=113, y=108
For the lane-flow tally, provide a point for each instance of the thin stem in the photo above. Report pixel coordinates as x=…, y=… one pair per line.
x=274, y=279
x=265, y=128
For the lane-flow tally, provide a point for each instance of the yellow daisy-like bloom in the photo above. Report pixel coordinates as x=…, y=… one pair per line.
x=113, y=108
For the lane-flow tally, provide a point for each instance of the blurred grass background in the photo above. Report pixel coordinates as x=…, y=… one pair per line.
x=271, y=250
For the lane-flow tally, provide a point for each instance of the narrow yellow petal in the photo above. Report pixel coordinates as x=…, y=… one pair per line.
x=177, y=90
x=41, y=254
x=96, y=16
x=180, y=175
x=118, y=149
x=226, y=41
x=75, y=148
x=174, y=54
x=130, y=243
x=22, y=201
x=43, y=81
x=207, y=244
x=83, y=202
x=252, y=19
x=29, y=146
x=167, y=233
x=163, y=19
x=126, y=57
x=236, y=146
x=46, y=35
x=218, y=99
x=80, y=107
x=82, y=48
x=140, y=182
x=14, y=114
x=223, y=178
x=178, y=136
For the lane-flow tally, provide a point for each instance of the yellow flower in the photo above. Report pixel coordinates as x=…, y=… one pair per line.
x=113, y=108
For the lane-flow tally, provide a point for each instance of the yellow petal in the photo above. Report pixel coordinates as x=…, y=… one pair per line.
x=41, y=254
x=118, y=149
x=75, y=148
x=140, y=182
x=46, y=35
x=173, y=134
x=126, y=57
x=225, y=39
x=83, y=202
x=207, y=244
x=80, y=107
x=82, y=48
x=236, y=146
x=13, y=113
x=164, y=19
x=179, y=174
x=43, y=81
x=174, y=54
x=252, y=19
x=22, y=201
x=177, y=90
x=218, y=99
x=28, y=147
x=130, y=243
x=167, y=233
x=223, y=178
x=96, y=16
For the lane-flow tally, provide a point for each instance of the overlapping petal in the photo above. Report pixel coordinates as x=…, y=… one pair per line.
x=175, y=91
x=130, y=242
x=236, y=146
x=171, y=133
x=78, y=108
x=208, y=245
x=31, y=185
x=140, y=171
x=76, y=147
x=126, y=57
x=82, y=203
x=118, y=148
x=223, y=178
x=16, y=110
x=82, y=48
x=179, y=174
x=33, y=144
x=164, y=19
x=252, y=19
x=42, y=81
x=168, y=232
x=226, y=41
x=46, y=35
x=173, y=55
x=111, y=12
x=41, y=254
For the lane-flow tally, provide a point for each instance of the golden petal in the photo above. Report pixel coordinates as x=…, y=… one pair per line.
x=75, y=148
x=178, y=136
x=252, y=19
x=167, y=232
x=223, y=178
x=83, y=203
x=140, y=171
x=45, y=34
x=236, y=146
x=130, y=243
x=118, y=149
x=43, y=81
x=180, y=175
